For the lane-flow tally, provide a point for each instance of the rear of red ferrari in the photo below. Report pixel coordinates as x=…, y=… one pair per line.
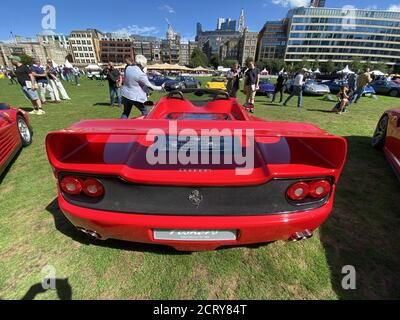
x=196, y=185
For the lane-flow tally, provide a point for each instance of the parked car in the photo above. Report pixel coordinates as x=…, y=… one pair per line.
x=386, y=87
x=189, y=82
x=159, y=80
x=387, y=137
x=311, y=87
x=118, y=179
x=15, y=133
x=335, y=85
x=173, y=85
x=266, y=87
x=217, y=83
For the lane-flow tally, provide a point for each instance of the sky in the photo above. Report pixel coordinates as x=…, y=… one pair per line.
x=149, y=17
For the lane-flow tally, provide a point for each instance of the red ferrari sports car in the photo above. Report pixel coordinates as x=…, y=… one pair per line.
x=15, y=133
x=197, y=173
x=387, y=137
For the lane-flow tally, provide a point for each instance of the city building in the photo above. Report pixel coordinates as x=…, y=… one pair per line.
x=248, y=46
x=171, y=47
x=85, y=46
x=211, y=41
x=230, y=50
x=41, y=49
x=272, y=40
x=114, y=47
x=317, y=3
x=341, y=35
x=226, y=24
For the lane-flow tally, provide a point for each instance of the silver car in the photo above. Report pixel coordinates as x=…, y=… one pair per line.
x=311, y=87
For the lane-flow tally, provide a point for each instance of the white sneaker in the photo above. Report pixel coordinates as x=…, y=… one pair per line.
x=41, y=112
x=34, y=112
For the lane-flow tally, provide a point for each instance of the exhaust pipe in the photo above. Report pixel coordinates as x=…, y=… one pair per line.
x=299, y=236
x=90, y=233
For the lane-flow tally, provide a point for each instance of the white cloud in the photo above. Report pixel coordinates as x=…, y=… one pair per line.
x=394, y=7
x=167, y=8
x=187, y=37
x=140, y=30
x=372, y=7
x=291, y=3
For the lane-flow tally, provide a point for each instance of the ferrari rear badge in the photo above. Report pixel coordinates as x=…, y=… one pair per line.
x=195, y=197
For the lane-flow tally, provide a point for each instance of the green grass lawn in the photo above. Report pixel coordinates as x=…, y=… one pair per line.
x=362, y=231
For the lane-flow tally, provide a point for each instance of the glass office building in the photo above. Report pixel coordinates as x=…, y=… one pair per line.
x=341, y=35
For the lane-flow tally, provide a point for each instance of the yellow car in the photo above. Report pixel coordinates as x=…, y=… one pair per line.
x=216, y=83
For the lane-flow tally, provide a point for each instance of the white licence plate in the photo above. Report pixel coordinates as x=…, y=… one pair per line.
x=195, y=235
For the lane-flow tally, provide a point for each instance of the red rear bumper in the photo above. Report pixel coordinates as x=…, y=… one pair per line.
x=139, y=228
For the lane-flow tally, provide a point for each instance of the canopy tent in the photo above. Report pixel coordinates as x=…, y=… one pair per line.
x=377, y=73
x=264, y=72
x=68, y=64
x=346, y=71
x=93, y=67
x=317, y=71
x=201, y=69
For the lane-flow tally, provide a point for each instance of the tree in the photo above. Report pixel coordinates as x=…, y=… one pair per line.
x=215, y=61
x=356, y=64
x=198, y=59
x=381, y=66
x=25, y=59
x=328, y=67
x=228, y=63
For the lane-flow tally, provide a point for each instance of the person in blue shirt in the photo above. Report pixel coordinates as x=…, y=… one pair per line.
x=136, y=86
x=42, y=81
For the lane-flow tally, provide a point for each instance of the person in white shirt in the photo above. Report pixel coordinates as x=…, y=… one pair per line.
x=136, y=85
x=297, y=89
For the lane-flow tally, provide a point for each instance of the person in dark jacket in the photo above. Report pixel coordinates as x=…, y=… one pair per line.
x=114, y=82
x=280, y=85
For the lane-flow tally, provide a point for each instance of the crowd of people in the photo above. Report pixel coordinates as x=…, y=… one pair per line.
x=131, y=88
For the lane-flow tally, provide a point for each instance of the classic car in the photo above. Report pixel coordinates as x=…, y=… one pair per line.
x=266, y=87
x=311, y=87
x=386, y=87
x=171, y=85
x=15, y=133
x=387, y=137
x=217, y=83
x=197, y=173
x=335, y=85
x=189, y=82
x=159, y=80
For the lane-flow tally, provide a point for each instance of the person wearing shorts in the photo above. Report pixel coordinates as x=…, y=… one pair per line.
x=28, y=84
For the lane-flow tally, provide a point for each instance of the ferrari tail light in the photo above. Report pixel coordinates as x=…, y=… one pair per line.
x=93, y=188
x=298, y=191
x=320, y=189
x=75, y=186
x=72, y=185
x=314, y=189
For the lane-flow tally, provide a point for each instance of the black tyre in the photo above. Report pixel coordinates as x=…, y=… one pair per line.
x=378, y=140
x=394, y=93
x=24, y=131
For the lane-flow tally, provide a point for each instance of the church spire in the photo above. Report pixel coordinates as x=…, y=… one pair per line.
x=241, y=26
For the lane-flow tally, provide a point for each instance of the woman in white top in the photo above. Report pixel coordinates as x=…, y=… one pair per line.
x=136, y=85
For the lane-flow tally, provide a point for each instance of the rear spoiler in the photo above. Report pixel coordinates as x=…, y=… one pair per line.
x=115, y=147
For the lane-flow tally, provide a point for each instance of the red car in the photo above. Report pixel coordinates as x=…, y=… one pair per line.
x=15, y=133
x=387, y=137
x=148, y=180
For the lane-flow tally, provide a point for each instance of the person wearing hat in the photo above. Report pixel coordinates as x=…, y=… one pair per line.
x=28, y=84
x=297, y=88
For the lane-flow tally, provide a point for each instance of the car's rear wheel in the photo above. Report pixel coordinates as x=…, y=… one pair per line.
x=24, y=131
x=378, y=140
x=394, y=93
